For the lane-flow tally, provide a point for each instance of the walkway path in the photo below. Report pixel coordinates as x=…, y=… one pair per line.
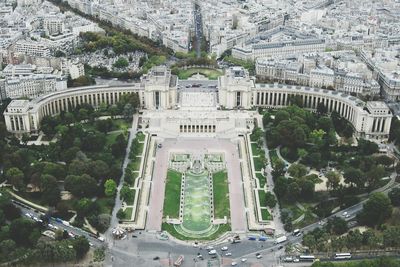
x=31, y=204
x=270, y=182
x=278, y=153
x=118, y=202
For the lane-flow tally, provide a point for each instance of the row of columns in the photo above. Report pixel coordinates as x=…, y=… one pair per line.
x=378, y=125
x=94, y=99
x=309, y=101
x=197, y=128
x=17, y=123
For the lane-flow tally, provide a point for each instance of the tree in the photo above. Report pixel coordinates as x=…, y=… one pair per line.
x=325, y=123
x=316, y=136
x=80, y=81
x=337, y=226
x=101, y=221
x=126, y=193
x=77, y=167
x=367, y=147
x=81, y=246
x=297, y=170
x=309, y=241
x=132, y=99
x=3, y=130
x=104, y=126
x=281, y=187
x=70, y=154
x=321, y=108
x=120, y=214
x=50, y=190
x=394, y=196
x=333, y=180
x=98, y=169
x=307, y=189
x=128, y=111
x=119, y=146
x=374, y=175
x=293, y=192
x=354, y=239
x=54, y=169
x=281, y=115
x=83, y=207
x=110, y=188
x=81, y=186
x=48, y=125
x=376, y=210
x=354, y=176
x=279, y=168
x=121, y=63
x=7, y=247
x=21, y=230
x=270, y=200
x=93, y=141
x=11, y=212
x=16, y=177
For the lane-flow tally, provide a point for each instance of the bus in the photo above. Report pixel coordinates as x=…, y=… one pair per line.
x=307, y=258
x=342, y=256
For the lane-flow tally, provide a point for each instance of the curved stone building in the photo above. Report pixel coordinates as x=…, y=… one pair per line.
x=159, y=90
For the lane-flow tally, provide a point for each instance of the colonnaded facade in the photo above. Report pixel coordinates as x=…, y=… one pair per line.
x=229, y=105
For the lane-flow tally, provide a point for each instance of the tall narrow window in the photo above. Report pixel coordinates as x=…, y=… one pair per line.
x=157, y=99
x=238, y=99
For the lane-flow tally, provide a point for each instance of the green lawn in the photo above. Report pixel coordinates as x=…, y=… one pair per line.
x=128, y=213
x=140, y=136
x=171, y=229
x=273, y=156
x=257, y=151
x=221, y=195
x=129, y=201
x=134, y=165
x=140, y=147
x=258, y=163
x=265, y=215
x=121, y=124
x=262, y=179
x=110, y=138
x=262, y=197
x=172, y=194
x=293, y=209
x=209, y=73
x=106, y=204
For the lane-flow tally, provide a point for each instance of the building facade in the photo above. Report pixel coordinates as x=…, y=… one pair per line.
x=236, y=90
x=278, y=49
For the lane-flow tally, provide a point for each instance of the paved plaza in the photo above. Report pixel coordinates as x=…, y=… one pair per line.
x=196, y=146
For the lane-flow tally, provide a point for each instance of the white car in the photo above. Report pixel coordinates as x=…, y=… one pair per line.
x=234, y=263
x=345, y=213
x=224, y=248
x=259, y=256
x=243, y=260
x=296, y=260
x=36, y=219
x=28, y=215
x=228, y=254
x=212, y=252
x=53, y=227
